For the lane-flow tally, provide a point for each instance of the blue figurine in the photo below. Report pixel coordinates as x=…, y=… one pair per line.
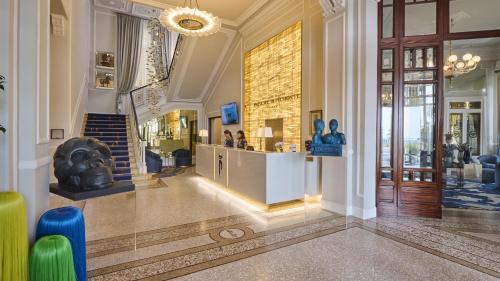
x=334, y=137
x=319, y=125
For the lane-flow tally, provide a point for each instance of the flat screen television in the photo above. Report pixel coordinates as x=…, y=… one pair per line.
x=229, y=114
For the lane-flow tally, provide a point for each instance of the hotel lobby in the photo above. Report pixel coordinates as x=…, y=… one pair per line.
x=249, y=140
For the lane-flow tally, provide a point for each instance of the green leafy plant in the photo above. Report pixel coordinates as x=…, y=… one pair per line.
x=2, y=87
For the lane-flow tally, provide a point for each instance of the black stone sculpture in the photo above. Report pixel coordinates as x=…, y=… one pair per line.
x=82, y=164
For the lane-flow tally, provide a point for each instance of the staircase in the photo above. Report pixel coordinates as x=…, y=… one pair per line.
x=114, y=130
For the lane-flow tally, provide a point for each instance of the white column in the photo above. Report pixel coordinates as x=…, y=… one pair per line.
x=351, y=97
x=28, y=124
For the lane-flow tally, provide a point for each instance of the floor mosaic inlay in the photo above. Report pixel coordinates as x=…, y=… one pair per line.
x=186, y=232
x=171, y=265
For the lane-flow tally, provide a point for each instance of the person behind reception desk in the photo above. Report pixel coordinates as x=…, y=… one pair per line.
x=242, y=141
x=228, y=139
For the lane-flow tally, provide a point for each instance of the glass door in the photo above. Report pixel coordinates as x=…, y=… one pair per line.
x=418, y=190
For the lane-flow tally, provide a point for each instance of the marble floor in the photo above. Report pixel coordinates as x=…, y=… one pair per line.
x=189, y=230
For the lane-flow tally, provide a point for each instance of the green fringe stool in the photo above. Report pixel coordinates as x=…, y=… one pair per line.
x=13, y=237
x=51, y=259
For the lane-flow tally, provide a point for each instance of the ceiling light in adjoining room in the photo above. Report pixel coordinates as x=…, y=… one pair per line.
x=189, y=20
x=455, y=67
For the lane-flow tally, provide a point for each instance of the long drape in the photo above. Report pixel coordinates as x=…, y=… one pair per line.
x=129, y=39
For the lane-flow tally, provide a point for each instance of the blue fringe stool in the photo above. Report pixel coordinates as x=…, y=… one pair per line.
x=68, y=222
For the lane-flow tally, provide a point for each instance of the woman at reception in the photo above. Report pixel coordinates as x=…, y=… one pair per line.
x=228, y=139
x=242, y=142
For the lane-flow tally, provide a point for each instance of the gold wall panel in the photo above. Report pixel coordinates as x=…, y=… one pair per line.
x=273, y=85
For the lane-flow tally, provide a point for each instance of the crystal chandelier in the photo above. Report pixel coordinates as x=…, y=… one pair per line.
x=190, y=20
x=156, y=67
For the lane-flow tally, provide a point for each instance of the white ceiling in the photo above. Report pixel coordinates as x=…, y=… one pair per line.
x=232, y=12
x=199, y=63
x=487, y=48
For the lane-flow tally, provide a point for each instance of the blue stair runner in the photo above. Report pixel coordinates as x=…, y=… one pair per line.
x=112, y=129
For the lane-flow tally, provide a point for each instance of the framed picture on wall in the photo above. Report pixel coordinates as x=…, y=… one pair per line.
x=104, y=79
x=57, y=134
x=184, y=122
x=313, y=116
x=105, y=59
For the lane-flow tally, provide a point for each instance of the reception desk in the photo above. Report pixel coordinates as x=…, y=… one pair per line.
x=268, y=178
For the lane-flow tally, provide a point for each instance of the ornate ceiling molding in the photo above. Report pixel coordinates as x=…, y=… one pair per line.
x=331, y=7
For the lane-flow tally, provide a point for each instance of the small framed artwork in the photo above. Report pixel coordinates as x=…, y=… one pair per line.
x=184, y=122
x=105, y=59
x=104, y=79
x=57, y=134
x=313, y=116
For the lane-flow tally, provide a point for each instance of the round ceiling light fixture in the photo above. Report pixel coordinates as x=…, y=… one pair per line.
x=190, y=21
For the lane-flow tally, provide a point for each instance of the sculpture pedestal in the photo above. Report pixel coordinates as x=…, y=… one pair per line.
x=334, y=185
x=117, y=187
x=326, y=149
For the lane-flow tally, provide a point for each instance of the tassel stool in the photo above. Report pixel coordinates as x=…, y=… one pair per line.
x=68, y=222
x=51, y=259
x=13, y=237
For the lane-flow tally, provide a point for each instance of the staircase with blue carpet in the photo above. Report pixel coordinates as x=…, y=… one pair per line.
x=112, y=129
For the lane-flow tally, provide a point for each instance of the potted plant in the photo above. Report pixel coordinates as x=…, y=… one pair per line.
x=2, y=87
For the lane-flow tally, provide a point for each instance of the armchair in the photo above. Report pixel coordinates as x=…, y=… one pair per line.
x=491, y=168
x=153, y=162
x=183, y=158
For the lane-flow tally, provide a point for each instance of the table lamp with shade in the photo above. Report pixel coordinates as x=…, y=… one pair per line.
x=203, y=134
x=266, y=132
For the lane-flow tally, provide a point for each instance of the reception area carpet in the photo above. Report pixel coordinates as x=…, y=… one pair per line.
x=472, y=195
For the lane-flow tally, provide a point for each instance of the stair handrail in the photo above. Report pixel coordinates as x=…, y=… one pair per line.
x=139, y=140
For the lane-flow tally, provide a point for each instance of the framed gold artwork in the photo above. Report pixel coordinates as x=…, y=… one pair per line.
x=314, y=115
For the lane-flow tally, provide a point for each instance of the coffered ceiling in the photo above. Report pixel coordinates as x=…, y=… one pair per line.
x=232, y=12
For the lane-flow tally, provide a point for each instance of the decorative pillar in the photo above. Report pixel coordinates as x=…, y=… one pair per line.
x=350, y=55
x=27, y=136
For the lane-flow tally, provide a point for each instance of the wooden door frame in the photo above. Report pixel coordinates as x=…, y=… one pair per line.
x=209, y=141
x=398, y=42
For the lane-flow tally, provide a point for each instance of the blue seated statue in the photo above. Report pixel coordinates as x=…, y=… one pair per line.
x=334, y=137
x=328, y=144
x=319, y=126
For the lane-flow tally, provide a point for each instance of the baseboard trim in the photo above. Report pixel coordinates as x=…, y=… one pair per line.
x=364, y=214
x=334, y=207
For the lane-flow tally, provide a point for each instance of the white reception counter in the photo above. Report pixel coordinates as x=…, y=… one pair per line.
x=268, y=178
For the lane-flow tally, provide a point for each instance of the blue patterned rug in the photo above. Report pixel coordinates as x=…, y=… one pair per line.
x=472, y=195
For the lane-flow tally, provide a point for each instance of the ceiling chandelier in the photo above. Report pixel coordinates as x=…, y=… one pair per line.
x=455, y=67
x=156, y=67
x=190, y=20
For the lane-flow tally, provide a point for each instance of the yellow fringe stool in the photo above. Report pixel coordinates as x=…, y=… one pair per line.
x=51, y=259
x=13, y=237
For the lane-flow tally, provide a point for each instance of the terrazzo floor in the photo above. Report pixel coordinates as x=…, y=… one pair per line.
x=190, y=231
